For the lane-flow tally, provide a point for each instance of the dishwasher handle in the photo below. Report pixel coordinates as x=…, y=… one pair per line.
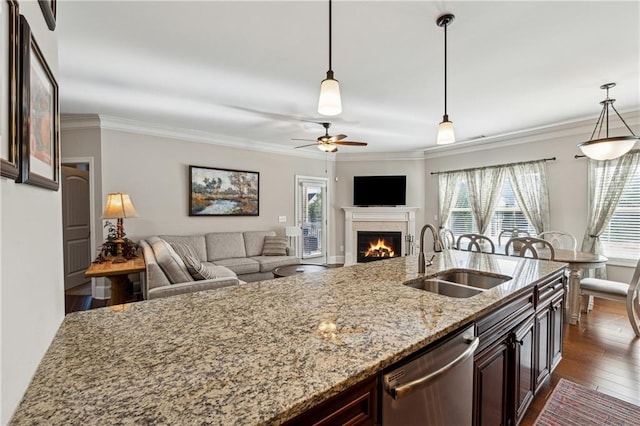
x=399, y=391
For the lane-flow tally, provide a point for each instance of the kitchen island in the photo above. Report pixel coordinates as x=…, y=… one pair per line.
x=259, y=353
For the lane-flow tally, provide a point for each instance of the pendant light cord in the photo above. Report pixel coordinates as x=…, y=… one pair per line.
x=330, y=68
x=445, y=71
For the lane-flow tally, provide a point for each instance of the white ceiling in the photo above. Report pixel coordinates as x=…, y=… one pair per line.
x=246, y=70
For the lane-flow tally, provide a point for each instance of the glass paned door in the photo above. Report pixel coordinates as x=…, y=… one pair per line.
x=311, y=216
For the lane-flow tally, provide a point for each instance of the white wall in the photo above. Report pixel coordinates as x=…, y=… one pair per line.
x=31, y=268
x=155, y=172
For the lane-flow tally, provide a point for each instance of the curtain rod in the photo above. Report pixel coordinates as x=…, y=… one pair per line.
x=497, y=165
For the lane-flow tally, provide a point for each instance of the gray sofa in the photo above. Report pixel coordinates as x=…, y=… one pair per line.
x=234, y=257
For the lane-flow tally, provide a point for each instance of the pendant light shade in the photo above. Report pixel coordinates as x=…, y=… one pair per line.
x=608, y=148
x=445, y=129
x=327, y=148
x=329, y=103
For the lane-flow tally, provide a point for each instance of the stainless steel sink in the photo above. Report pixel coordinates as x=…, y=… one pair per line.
x=467, y=277
x=444, y=288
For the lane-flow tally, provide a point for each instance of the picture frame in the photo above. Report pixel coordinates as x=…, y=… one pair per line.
x=9, y=151
x=223, y=192
x=49, y=10
x=39, y=116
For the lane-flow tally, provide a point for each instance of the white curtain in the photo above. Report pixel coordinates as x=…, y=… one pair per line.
x=448, y=189
x=484, y=187
x=529, y=183
x=606, y=183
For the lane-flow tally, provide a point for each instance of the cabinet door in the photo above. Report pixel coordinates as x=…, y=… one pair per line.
x=490, y=406
x=524, y=373
x=555, y=337
x=543, y=345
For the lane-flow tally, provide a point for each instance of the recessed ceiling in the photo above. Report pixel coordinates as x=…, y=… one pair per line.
x=249, y=70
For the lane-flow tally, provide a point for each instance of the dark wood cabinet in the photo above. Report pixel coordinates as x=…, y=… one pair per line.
x=524, y=352
x=521, y=343
x=355, y=406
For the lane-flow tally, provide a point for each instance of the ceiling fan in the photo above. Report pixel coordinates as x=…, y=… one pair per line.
x=328, y=143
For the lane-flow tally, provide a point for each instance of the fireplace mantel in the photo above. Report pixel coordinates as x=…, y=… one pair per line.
x=356, y=219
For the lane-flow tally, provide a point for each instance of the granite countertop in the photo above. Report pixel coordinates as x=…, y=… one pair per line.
x=259, y=353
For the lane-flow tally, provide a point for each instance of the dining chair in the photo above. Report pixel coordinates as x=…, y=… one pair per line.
x=537, y=248
x=512, y=233
x=559, y=239
x=480, y=242
x=617, y=291
x=447, y=238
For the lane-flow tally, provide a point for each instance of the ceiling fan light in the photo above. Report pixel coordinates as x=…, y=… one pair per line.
x=445, y=133
x=608, y=149
x=327, y=148
x=329, y=103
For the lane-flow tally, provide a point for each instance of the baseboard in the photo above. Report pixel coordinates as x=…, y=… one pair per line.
x=332, y=260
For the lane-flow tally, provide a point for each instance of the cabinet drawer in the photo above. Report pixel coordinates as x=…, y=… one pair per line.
x=357, y=405
x=548, y=290
x=499, y=322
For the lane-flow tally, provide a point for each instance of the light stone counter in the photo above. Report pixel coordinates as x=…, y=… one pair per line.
x=259, y=353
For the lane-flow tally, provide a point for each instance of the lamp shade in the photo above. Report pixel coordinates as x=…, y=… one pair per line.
x=118, y=206
x=325, y=147
x=329, y=103
x=608, y=149
x=445, y=133
x=292, y=231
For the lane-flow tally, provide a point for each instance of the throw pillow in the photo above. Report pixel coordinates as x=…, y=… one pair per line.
x=191, y=260
x=274, y=246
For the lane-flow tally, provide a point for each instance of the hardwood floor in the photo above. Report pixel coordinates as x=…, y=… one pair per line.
x=79, y=299
x=602, y=353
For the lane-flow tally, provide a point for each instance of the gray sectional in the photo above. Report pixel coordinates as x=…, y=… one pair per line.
x=234, y=256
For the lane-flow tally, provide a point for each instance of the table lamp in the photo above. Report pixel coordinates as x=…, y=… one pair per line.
x=119, y=206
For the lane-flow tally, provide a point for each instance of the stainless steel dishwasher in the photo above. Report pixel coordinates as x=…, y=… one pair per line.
x=434, y=387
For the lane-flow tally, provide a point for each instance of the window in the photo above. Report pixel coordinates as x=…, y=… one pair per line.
x=621, y=238
x=508, y=215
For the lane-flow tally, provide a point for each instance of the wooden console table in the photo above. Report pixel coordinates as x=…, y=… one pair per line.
x=121, y=286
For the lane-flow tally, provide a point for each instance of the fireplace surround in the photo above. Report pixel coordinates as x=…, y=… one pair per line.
x=386, y=219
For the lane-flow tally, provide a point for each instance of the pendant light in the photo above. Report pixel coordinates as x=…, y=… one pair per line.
x=445, y=129
x=329, y=103
x=608, y=148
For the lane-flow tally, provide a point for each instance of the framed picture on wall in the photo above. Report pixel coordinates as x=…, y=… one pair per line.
x=49, y=11
x=9, y=24
x=223, y=192
x=39, y=116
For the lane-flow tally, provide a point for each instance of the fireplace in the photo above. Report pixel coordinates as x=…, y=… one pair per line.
x=378, y=245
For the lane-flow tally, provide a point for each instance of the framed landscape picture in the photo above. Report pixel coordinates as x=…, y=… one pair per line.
x=223, y=192
x=48, y=8
x=9, y=24
x=39, y=116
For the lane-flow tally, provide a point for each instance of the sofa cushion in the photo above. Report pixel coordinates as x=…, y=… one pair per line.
x=254, y=241
x=274, y=246
x=240, y=265
x=169, y=261
x=269, y=263
x=196, y=242
x=216, y=271
x=224, y=245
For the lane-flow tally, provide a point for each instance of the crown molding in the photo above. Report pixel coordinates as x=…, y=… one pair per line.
x=382, y=156
x=572, y=128
x=106, y=122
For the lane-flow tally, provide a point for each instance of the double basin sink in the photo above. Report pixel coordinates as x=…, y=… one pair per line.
x=459, y=283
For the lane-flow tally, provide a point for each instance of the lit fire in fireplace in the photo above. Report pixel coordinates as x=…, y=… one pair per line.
x=379, y=249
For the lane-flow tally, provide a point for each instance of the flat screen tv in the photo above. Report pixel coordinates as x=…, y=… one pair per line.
x=379, y=190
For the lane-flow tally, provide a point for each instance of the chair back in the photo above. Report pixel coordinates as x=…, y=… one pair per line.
x=633, y=300
x=479, y=242
x=537, y=248
x=512, y=233
x=559, y=239
x=447, y=238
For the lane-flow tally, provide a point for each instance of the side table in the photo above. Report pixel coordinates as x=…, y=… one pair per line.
x=121, y=286
x=301, y=268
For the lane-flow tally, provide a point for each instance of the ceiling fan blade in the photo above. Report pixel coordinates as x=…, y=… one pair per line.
x=338, y=137
x=296, y=139
x=352, y=143
x=304, y=146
